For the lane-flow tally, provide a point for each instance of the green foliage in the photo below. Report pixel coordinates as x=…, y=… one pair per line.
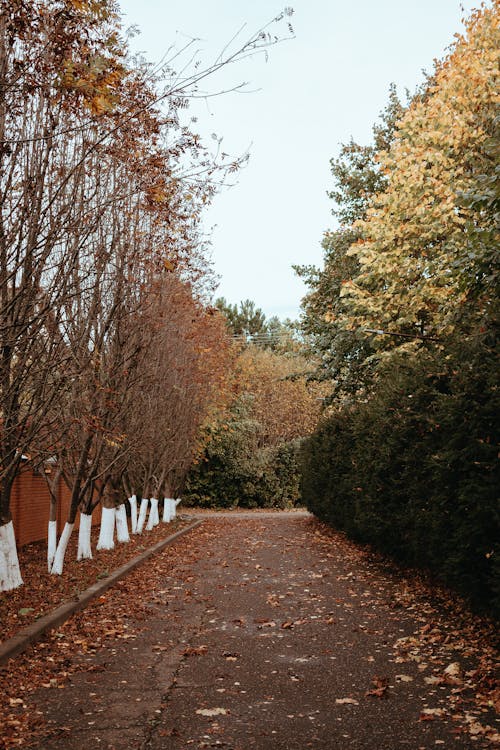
x=247, y=320
x=237, y=470
x=281, y=336
x=407, y=458
x=356, y=172
x=341, y=351
x=248, y=323
x=414, y=469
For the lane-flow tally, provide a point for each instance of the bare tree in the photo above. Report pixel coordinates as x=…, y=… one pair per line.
x=101, y=189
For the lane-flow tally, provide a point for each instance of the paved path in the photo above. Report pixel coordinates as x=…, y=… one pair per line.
x=270, y=636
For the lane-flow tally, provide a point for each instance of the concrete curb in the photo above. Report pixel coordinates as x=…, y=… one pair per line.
x=18, y=643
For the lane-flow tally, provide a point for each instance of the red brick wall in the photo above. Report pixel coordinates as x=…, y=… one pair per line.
x=30, y=505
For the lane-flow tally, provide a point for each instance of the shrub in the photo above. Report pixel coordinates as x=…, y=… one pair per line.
x=413, y=470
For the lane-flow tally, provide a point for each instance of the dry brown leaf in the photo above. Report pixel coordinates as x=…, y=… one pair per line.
x=195, y=651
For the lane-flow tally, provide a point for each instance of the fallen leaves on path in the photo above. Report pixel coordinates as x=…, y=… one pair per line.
x=195, y=651
x=42, y=592
x=212, y=711
x=379, y=689
x=450, y=647
x=453, y=647
x=115, y=616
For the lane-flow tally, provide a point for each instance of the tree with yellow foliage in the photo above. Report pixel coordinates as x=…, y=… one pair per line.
x=285, y=404
x=407, y=457
x=416, y=266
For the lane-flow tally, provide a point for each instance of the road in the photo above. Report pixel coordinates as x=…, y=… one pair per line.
x=270, y=634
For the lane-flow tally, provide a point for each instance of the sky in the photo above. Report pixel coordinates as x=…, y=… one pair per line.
x=313, y=92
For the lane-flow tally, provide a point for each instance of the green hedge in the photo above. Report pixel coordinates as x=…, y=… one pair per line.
x=236, y=472
x=413, y=470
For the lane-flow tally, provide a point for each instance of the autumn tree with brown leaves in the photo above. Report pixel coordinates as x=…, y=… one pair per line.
x=41, y=103
x=102, y=188
x=252, y=444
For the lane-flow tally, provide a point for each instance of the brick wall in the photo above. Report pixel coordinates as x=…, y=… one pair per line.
x=30, y=506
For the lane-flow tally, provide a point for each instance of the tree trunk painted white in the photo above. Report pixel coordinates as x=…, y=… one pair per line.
x=58, y=564
x=122, y=534
x=51, y=543
x=107, y=530
x=174, y=504
x=133, y=513
x=167, y=510
x=84, y=533
x=142, y=515
x=153, y=519
x=10, y=574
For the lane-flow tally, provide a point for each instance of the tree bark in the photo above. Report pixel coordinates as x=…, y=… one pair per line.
x=84, y=537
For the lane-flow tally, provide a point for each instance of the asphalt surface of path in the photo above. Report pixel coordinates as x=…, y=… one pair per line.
x=271, y=637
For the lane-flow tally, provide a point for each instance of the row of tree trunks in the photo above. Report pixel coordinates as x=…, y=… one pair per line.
x=113, y=522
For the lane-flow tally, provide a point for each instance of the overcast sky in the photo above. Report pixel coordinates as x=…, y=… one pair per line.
x=314, y=92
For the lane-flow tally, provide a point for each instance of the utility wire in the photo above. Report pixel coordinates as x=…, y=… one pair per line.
x=276, y=335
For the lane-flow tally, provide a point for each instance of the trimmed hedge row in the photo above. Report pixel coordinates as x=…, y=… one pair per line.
x=236, y=472
x=414, y=469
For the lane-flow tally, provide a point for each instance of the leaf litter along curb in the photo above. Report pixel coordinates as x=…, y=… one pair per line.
x=117, y=614
x=448, y=635
x=41, y=592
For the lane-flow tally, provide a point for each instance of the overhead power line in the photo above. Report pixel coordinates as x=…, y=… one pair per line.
x=276, y=335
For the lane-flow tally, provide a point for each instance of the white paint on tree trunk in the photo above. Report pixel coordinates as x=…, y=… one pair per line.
x=107, y=530
x=142, y=514
x=153, y=519
x=58, y=564
x=173, y=508
x=167, y=511
x=122, y=534
x=51, y=543
x=133, y=513
x=171, y=503
x=10, y=574
x=84, y=533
